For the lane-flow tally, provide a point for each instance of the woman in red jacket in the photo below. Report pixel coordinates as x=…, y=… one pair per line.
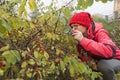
x=93, y=38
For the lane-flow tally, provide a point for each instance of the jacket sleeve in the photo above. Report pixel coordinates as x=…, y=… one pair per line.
x=99, y=47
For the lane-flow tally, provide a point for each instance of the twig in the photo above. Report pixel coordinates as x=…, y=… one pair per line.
x=65, y=5
x=32, y=37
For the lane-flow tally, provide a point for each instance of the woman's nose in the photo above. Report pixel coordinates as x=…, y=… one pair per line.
x=72, y=28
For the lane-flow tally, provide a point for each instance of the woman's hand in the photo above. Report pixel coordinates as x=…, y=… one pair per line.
x=77, y=35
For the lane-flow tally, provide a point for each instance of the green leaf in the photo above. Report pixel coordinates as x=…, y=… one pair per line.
x=16, y=69
x=46, y=55
x=22, y=7
x=75, y=65
x=95, y=75
x=89, y=2
x=11, y=56
x=104, y=1
x=62, y=66
x=17, y=55
x=6, y=25
x=84, y=5
x=82, y=67
x=36, y=54
x=71, y=70
x=58, y=51
x=67, y=12
x=29, y=75
x=2, y=28
x=66, y=60
x=52, y=66
x=81, y=4
x=29, y=72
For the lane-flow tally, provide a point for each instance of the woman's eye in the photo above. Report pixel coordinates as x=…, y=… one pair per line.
x=71, y=27
x=76, y=25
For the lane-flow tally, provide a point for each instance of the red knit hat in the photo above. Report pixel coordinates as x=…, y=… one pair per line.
x=82, y=18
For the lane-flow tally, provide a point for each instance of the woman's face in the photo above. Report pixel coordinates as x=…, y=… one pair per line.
x=79, y=28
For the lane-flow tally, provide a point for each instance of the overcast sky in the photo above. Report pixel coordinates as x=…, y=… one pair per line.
x=97, y=7
x=102, y=8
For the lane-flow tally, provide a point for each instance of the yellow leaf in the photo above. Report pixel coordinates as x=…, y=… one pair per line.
x=1, y=72
x=5, y=48
x=32, y=4
x=25, y=12
x=52, y=66
x=32, y=25
x=24, y=64
x=31, y=61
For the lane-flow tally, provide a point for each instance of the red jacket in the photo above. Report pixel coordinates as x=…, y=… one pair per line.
x=100, y=45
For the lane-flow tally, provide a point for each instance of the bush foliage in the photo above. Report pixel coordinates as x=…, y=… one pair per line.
x=42, y=48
